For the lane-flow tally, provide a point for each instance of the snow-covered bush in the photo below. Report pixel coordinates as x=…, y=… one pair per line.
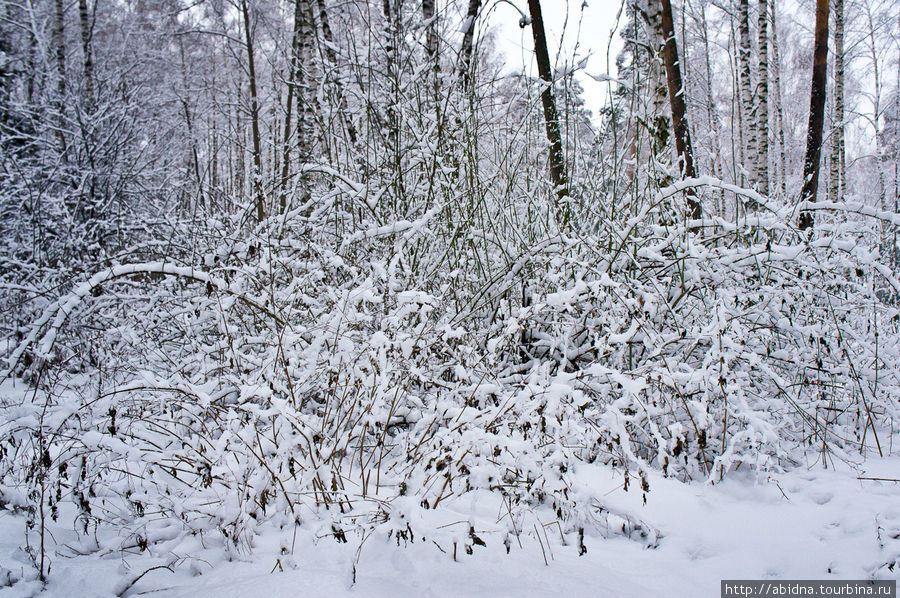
x=291, y=376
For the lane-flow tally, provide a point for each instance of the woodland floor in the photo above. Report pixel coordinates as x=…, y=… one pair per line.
x=810, y=523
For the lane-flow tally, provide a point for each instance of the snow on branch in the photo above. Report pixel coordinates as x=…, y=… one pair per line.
x=58, y=312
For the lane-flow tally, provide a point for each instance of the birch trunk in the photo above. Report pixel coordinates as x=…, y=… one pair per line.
x=836, y=188
x=748, y=102
x=329, y=44
x=256, y=183
x=431, y=34
x=465, y=52
x=88, y=59
x=762, y=102
x=299, y=43
x=779, y=107
x=876, y=101
x=59, y=43
x=711, y=109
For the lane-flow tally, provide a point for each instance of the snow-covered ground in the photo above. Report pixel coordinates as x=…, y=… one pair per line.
x=812, y=523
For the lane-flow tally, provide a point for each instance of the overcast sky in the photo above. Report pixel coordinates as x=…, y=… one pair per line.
x=562, y=18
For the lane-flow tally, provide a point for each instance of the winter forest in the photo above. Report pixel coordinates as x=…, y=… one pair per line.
x=332, y=297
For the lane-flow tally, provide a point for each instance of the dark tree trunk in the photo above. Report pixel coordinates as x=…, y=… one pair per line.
x=679, y=109
x=816, y=113
x=551, y=117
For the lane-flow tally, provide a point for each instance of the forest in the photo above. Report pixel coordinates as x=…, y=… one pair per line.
x=340, y=275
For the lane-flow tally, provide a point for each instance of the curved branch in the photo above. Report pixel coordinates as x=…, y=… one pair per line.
x=58, y=312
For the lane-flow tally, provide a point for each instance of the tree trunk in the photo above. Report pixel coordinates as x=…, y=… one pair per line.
x=656, y=120
x=816, y=113
x=779, y=107
x=737, y=101
x=876, y=101
x=748, y=109
x=712, y=111
x=895, y=249
x=429, y=17
x=305, y=89
x=194, y=154
x=679, y=109
x=32, y=67
x=465, y=52
x=836, y=188
x=59, y=43
x=551, y=117
x=431, y=34
x=256, y=184
x=329, y=44
x=86, y=50
x=394, y=35
x=762, y=105
x=293, y=79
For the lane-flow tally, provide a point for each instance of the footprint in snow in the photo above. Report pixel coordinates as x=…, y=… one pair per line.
x=822, y=498
x=888, y=536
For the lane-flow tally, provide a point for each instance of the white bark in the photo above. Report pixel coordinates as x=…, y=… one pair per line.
x=748, y=100
x=762, y=103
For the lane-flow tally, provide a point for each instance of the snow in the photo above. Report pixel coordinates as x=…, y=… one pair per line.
x=811, y=523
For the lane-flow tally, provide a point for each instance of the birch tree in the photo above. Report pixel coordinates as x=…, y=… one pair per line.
x=87, y=53
x=837, y=169
x=298, y=92
x=257, y=174
x=748, y=101
x=762, y=101
x=779, y=105
x=465, y=52
x=59, y=44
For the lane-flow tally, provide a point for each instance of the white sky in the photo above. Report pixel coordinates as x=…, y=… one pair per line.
x=561, y=22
